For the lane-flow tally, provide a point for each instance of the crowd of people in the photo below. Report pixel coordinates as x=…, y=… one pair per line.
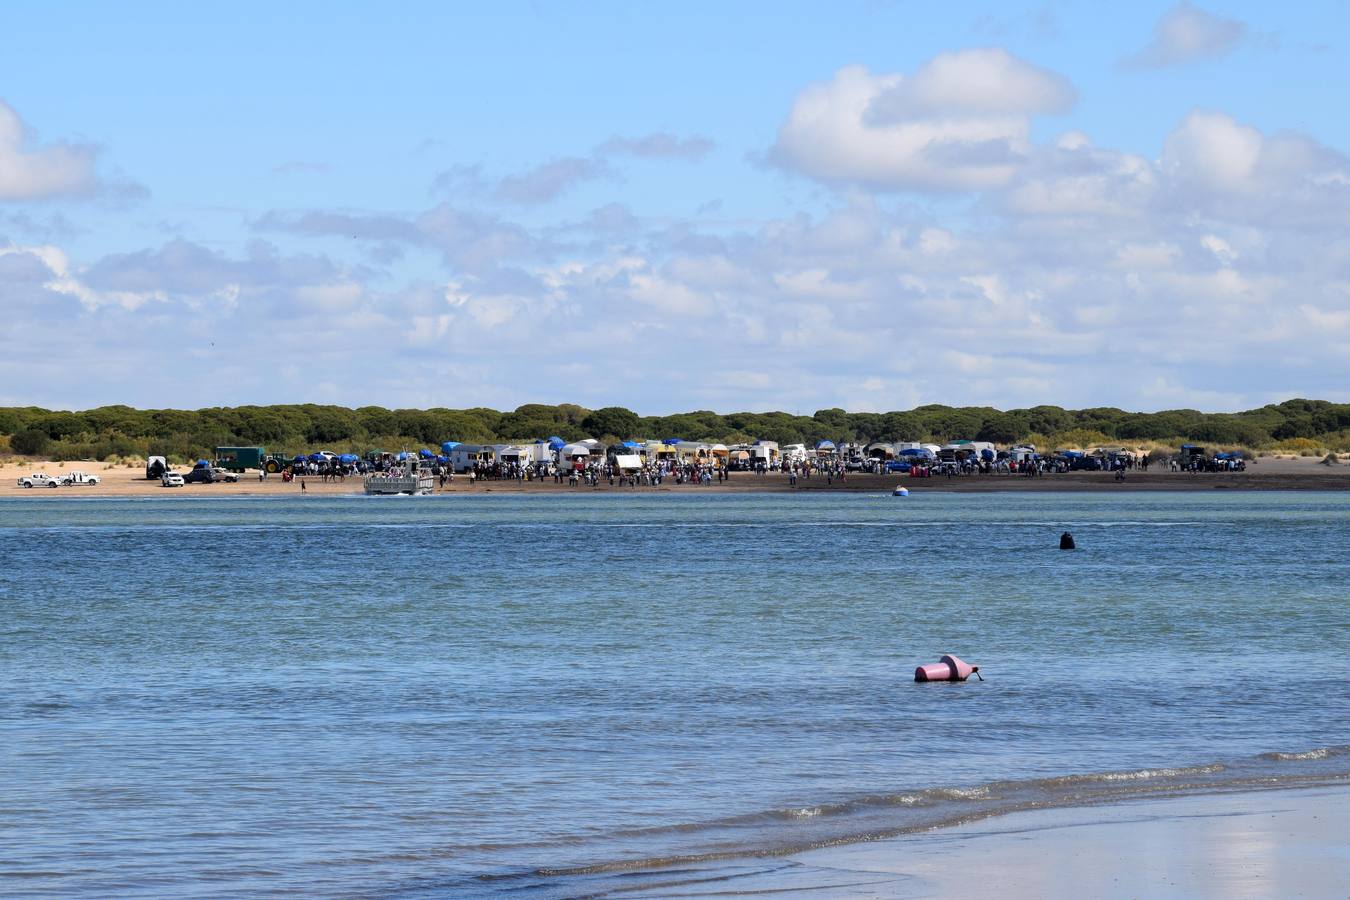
x=718, y=470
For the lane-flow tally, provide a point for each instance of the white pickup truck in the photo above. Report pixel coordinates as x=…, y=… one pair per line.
x=80, y=478
x=39, y=479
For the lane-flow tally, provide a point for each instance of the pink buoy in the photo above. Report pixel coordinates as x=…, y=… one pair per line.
x=948, y=669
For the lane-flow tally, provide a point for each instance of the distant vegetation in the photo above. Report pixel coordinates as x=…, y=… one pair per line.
x=111, y=432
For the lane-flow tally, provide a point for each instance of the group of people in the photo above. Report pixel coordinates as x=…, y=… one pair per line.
x=594, y=472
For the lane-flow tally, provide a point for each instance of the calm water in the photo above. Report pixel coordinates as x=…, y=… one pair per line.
x=459, y=695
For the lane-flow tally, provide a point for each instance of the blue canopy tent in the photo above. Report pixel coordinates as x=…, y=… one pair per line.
x=443, y=460
x=317, y=457
x=448, y=446
x=349, y=458
x=671, y=441
x=556, y=443
x=631, y=445
x=1231, y=455
x=425, y=453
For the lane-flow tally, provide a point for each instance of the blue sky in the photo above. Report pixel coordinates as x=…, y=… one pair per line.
x=869, y=205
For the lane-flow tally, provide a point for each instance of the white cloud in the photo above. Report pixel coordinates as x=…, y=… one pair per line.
x=1212, y=150
x=29, y=172
x=982, y=81
x=1216, y=164
x=1185, y=34
x=961, y=121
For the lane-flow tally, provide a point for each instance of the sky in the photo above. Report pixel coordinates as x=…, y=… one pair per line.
x=794, y=206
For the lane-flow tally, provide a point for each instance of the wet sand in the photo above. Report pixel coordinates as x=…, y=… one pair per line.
x=1268, y=473
x=1277, y=844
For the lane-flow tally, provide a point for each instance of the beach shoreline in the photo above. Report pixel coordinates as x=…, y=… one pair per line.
x=1266, y=474
x=1276, y=842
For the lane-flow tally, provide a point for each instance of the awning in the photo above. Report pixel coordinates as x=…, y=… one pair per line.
x=628, y=461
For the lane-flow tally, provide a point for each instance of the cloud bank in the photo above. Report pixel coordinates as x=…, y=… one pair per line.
x=1212, y=271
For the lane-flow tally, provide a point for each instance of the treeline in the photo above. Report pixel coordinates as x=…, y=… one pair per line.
x=120, y=431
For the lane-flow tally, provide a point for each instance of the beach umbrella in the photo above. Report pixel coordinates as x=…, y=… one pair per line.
x=348, y=458
x=442, y=459
x=987, y=454
x=425, y=453
x=556, y=443
x=448, y=446
x=402, y=454
x=299, y=457
x=316, y=457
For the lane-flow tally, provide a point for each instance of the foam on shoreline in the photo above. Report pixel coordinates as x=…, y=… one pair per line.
x=796, y=830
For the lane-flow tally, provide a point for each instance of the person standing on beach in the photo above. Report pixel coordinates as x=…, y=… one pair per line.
x=302, y=485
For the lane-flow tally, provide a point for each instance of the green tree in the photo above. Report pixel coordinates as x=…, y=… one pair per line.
x=611, y=420
x=30, y=442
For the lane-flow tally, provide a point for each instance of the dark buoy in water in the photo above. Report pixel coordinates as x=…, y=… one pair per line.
x=1066, y=542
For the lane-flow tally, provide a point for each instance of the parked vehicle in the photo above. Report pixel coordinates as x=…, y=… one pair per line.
x=80, y=478
x=205, y=473
x=171, y=479
x=198, y=475
x=39, y=479
x=156, y=467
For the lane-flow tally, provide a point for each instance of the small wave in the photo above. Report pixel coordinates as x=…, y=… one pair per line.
x=1135, y=775
x=1317, y=753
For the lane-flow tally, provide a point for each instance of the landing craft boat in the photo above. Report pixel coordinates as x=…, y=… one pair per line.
x=411, y=478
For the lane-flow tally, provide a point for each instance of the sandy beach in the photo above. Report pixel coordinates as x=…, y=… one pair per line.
x=1276, y=844
x=1268, y=474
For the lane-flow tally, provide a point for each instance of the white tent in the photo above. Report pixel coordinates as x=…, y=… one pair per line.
x=574, y=451
x=627, y=462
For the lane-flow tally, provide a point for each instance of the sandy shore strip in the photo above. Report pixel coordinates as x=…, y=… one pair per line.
x=1268, y=473
x=1276, y=844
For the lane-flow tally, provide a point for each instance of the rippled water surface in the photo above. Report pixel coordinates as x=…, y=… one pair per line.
x=448, y=695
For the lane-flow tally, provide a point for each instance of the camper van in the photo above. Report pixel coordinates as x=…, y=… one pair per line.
x=765, y=453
